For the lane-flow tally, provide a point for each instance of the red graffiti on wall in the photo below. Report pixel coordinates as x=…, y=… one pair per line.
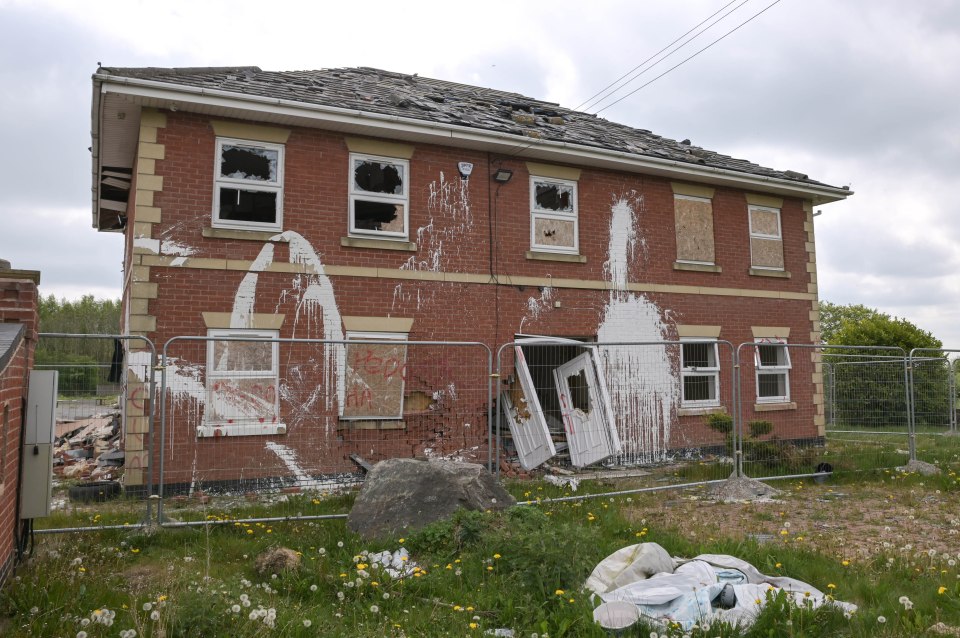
x=136, y=400
x=369, y=364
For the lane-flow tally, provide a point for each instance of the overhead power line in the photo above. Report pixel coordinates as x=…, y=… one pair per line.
x=685, y=60
x=604, y=92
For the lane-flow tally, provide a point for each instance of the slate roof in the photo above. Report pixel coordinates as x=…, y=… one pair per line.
x=10, y=334
x=420, y=98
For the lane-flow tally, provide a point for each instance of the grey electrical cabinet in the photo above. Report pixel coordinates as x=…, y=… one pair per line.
x=36, y=487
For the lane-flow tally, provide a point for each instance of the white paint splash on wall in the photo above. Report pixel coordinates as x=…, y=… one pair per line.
x=243, y=301
x=537, y=305
x=317, y=303
x=300, y=475
x=170, y=247
x=450, y=217
x=644, y=389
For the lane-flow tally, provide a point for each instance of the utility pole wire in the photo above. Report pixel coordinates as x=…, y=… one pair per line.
x=648, y=83
x=589, y=102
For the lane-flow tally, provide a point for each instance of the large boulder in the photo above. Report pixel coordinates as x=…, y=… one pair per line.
x=407, y=494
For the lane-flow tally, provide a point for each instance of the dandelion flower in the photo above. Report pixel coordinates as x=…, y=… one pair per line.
x=941, y=590
x=559, y=592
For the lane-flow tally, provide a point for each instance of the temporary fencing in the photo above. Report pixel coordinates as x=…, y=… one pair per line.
x=258, y=428
x=103, y=429
x=246, y=417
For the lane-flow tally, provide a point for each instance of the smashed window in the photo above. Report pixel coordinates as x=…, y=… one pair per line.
x=375, y=376
x=766, y=238
x=249, y=185
x=700, y=373
x=242, y=377
x=772, y=359
x=553, y=210
x=379, y=196
x=694, y=226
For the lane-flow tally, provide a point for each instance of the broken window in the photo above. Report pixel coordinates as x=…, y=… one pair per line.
x=379, y=196
x=242, y=377
x=375, y=376
x=249, y=185
x=553, y=210
x=772, y=359
x=694, y=226
x=700, y=373
x=766, y=239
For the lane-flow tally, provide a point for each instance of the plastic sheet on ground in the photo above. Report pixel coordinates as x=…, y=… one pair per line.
x=687, y=591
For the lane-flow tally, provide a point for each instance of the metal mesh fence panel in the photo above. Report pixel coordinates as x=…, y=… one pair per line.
x=245, y=417
x=102, y=431
x=933, y=386
x=663, y=410
x=805, y=409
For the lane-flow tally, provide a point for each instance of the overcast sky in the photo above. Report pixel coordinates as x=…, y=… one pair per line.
x=861, y=93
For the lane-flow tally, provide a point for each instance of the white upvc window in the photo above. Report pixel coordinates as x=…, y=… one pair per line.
x=242, y=383
x=375, y=376
x=554, y=224
x=248, y=185
x=766, y=238
x=379, y=197
x=772, y=359
x=700, y=373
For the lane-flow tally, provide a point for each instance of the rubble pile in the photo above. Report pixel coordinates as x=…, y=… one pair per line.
x=88, y=449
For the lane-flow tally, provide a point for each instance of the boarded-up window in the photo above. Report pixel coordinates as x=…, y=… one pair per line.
x=375, y=376
x=766, y=239
x=249, y=185
x=242, y=378
x=379, y=196
x=694, y=219
x=553, y=211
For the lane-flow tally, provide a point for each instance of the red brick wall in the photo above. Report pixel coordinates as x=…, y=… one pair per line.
x=491, y=240
x=18, y=303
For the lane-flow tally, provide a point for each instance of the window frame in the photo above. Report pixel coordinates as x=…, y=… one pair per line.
x=765, y=236
x=537, y=212
x=219, y=181
x=354, y=194
x=248, y=425
x=372, y=335
x=696, y=371
x=770, y=370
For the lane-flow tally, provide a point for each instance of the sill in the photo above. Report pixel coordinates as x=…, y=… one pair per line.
x=215, y=430
x=372, y=424
x=682, y=265
x=234, y=233
x=538, y=255
x=774, y=407
x=763, y=272
x=701, y=410
x=383, y=244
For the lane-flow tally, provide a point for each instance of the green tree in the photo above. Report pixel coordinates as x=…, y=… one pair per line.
x=83, y=363
x=858, y=325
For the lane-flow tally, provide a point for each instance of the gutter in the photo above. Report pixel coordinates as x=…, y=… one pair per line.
x=390, y=124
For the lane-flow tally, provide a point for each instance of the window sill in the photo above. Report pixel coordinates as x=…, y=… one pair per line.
x=234, y=233
x=229, y=429
x=372, y=424
x=382, y=244
x=761, y=272
x=701, y=410
x=538, y=255
x=682, y=265
x=774, y=407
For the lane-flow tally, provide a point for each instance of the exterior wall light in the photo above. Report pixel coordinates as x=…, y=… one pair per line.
x=502, y=175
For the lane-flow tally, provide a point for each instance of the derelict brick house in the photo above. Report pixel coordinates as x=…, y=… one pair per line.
x=364, y=204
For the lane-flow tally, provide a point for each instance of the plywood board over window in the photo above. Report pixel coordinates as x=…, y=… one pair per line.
x=375, y=376
x=694, y=225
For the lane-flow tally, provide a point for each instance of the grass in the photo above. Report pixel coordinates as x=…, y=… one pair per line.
x=520, y=569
